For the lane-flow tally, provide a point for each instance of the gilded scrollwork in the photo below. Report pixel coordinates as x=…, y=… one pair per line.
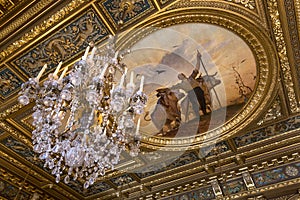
x=21, y=165
x=16, y=134
x=39, y=29
x=164, y=1
x=24, y=16
x=124, y=12
x=274, y=112
x=153, y=169
x=297, y=6
x=94, y=189
x=7, y=176
x=294, y=31
x=276, y=175
x=234, y=186
x=267, y=177
x=220, y=5
x=9, y=191
x=64, y=44
x=288, y=197
x=10, y=110
x=267, y=132
x=9, y=82
x=122, y=180
x=247, y=3
x=282, y=54
x=6, y=4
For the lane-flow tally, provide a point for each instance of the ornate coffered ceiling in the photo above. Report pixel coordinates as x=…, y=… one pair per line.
x=256, y=153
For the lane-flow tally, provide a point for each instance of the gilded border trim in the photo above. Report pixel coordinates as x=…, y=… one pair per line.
x=10, y=111
x=20, y=165
x=25, y=16
x=5, y=175
x=250, y=4
x=37, y=30
x=297, y=9
x=282, y=54
x=33, y=173
x=132, y=20
x=294, y=34
x=198, y=183
x=16, y=134
x=221, y=4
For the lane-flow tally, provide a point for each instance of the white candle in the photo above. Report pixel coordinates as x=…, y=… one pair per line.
x=131, y=78
x=57, y=70
x=41, y=73
x=142, y=84
x=103, y=71
x=138, y=126
x=112, y=89
x=63, y=74
x=123, y=77
x=86, y=53
x=116, y=55
x=93, y=52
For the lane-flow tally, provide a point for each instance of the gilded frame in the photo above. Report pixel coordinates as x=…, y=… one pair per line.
x=267, y=71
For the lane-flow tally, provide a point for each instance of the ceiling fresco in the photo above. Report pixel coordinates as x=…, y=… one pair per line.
x=228, y=66
x=247, y=145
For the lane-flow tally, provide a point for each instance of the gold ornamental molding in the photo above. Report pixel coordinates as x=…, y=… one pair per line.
x=4, y=175
x=10, y=111
x=246, y=3
x=297, y=7
x=237, y=7
x=189, y=182
x=273, y=188
x=7, y=4
x=31, y=172
x=20, y=165
x=37, y=30
x=16, y=134
x=267, y=67
x=274, y=112
x=282, y=54
x=24, y=17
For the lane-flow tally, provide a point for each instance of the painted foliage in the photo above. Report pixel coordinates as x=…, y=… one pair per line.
x=226, y=77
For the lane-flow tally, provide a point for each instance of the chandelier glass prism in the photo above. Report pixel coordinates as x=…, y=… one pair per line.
x=84, y=120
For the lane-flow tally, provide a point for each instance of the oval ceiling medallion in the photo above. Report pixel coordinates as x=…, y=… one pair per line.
x=203, y=81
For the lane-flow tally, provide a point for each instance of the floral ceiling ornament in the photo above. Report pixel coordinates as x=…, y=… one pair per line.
x=85, y=120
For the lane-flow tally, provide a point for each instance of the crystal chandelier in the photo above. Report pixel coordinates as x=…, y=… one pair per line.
x=84, y=120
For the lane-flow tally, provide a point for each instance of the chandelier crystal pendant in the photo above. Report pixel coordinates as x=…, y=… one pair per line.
x=83, y=121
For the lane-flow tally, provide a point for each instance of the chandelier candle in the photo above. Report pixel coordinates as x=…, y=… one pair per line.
x=57, y=70
x=84, y=120
x=63, y=74
x=93, y=52
x=142, y=84
x=41, y=73
x=131, y=78
x=86, y=53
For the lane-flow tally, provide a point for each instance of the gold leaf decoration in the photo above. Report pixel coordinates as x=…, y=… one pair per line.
x=37, y=30
x=282, y=53
x=247, y=3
